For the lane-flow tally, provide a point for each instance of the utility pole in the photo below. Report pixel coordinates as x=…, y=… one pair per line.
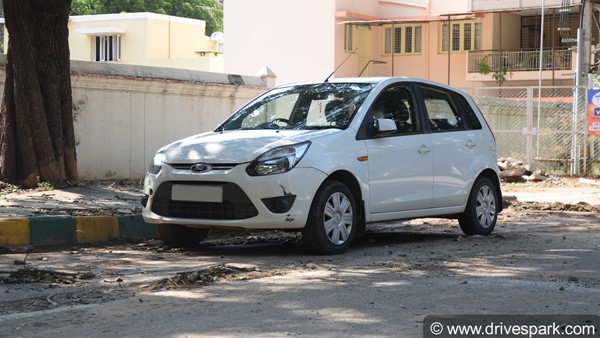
x=581, y=80
x=584, y=45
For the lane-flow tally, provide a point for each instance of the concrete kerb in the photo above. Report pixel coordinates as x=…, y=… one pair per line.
x=61, y=230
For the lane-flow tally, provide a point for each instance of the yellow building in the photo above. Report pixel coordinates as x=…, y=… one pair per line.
x=145, y=39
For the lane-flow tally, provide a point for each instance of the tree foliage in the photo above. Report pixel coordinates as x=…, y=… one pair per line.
x=210, y=11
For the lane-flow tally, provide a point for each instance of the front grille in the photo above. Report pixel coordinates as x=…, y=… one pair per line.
x=236, y=204
x=184, y=166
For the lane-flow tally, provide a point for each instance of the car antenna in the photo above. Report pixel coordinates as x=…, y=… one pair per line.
x=338, y=67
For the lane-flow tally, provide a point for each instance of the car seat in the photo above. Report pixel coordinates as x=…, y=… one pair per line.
x=391, y=106
x=335, y=112
x=401, y=115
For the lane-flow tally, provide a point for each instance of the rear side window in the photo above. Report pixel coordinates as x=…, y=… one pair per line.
x=441, y=112
x=471, y=117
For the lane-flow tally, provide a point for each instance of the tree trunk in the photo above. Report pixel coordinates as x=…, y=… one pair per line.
x=37, y=138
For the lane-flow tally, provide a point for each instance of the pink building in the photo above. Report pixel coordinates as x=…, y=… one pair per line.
x=465, y=43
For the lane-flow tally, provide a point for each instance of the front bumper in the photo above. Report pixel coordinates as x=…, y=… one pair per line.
x=279, y=201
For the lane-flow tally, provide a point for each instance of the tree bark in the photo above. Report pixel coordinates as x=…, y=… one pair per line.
x=37, y=138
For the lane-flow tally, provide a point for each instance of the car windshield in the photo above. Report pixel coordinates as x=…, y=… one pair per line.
x=314, y=106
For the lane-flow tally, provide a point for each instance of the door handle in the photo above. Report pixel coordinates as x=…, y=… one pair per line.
x=470, y=144
x=423, y=149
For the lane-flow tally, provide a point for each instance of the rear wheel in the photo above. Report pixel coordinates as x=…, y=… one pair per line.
x=332, y=221
x=179, y=235
x=481, y=213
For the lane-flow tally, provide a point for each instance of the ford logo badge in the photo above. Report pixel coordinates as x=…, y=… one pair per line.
x=200, y=167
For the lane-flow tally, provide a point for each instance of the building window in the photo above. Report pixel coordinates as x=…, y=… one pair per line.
x=408, y=42
x=468, y=40
x=398, y=40
x=107, y=48
x=478, y=36
x=417, y=39
x=348, y=37
x=560, y=31
x=455, y=37
x=402, y=39
x=387, y=40
x=461, y=36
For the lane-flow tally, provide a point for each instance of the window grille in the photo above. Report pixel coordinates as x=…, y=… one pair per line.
x=107, y=48
x=402, y=39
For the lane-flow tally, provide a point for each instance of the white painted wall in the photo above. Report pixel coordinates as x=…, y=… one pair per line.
x=123, y=113
x=293, y=38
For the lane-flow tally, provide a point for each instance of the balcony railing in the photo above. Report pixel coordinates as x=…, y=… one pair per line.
x=490, y=61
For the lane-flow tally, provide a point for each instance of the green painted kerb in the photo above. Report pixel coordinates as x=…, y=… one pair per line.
x=134, y=227
x=52, y=230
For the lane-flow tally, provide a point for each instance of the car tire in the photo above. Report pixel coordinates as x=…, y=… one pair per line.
x=179, y=235
x=481, y=213
x=332, y=221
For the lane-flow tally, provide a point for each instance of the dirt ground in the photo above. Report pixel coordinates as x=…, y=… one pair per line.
x=543, y=258
x=103, y=198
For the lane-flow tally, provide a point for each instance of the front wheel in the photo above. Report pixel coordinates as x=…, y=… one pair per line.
x=179, y=235
x=332, y=221
x=481, y=212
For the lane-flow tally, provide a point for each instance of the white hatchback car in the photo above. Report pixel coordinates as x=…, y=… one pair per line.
x=326, y=158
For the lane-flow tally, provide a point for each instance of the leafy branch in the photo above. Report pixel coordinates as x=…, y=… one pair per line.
x=499, y=74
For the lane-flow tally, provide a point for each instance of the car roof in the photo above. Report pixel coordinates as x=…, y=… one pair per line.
x=376, y=80
x=339, y=80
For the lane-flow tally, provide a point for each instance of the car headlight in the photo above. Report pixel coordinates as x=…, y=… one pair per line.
x=156, y=163
x=278, y=160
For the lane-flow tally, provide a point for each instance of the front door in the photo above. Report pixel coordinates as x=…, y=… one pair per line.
x=401, y=162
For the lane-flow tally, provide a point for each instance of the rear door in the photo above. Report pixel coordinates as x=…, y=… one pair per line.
x=455, y=146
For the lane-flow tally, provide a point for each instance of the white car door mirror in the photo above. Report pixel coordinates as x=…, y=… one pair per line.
x=385, y=125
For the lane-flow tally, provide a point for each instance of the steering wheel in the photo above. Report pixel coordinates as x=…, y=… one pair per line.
x=280, y=119
x=273, y=124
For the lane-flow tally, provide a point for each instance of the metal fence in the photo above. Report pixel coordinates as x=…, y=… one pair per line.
x=519, y=60
x=545, y=127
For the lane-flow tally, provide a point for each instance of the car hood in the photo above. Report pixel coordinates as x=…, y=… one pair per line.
x=235, y=146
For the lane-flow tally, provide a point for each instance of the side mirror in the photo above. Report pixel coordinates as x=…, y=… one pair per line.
x=385, y=126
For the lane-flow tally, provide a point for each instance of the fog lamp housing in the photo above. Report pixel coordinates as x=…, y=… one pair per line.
x=279, y=205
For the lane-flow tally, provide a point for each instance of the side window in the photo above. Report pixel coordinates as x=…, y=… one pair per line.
x=470, y=115
x=397, y=103
x=441, y=112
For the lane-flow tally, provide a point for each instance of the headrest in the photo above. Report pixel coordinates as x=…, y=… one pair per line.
x=334, y=110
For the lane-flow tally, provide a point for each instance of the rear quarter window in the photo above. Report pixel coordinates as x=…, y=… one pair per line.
x=470, y=116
